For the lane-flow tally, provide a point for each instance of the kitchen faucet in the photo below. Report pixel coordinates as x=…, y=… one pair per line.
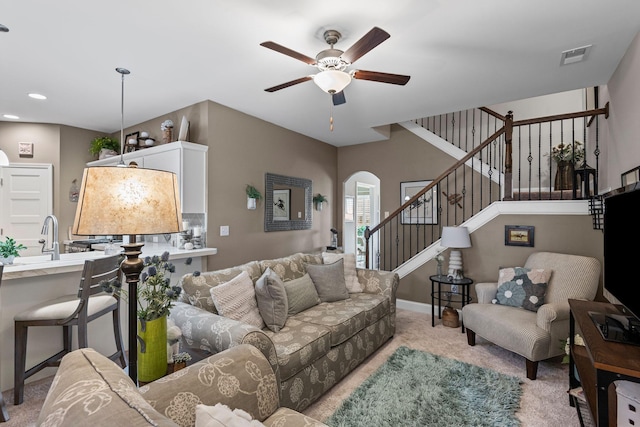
x=55, y=247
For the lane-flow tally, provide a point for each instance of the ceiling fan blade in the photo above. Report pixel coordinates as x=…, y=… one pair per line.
x=338, y=98
x=287, y=84
x=370, y=40
x=396, y=79
x=289, y=52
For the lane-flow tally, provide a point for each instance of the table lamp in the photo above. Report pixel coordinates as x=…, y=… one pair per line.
x=119, y=200
x=455, y=238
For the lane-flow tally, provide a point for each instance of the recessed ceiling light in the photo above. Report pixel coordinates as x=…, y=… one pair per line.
x=37, y=96
x=11, y=116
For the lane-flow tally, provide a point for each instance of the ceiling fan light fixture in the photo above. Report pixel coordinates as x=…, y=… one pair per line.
x=332, y=81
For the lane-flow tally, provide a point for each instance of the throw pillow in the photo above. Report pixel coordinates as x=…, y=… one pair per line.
x=222, y=416
x=301, y=294
x=329, y=281
x=272, y=300
x=522, y=287
x=236, y=299
x=350, y=275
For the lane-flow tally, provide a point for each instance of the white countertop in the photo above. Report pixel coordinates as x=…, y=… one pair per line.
x=42, y=265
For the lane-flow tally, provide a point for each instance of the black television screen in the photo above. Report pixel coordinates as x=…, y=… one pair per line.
x=621, y=235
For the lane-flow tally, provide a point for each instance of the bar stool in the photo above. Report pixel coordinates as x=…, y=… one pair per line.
x=78, y=310
x=4, y=415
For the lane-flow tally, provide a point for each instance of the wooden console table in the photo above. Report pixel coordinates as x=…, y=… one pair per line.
x=599, y=362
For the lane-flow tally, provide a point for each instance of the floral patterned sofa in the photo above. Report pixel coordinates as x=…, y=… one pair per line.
x=91, y=390
x=316, y=347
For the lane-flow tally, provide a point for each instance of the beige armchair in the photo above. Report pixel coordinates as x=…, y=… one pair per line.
x=534, y=335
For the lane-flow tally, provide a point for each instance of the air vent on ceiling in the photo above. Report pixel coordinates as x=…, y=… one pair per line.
x=572, y=56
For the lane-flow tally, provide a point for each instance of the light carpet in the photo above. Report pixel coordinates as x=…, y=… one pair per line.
x=544, y=402
x=421, y=389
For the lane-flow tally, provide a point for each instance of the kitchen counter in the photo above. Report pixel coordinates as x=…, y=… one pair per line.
x=35, y=279
x=42, y=265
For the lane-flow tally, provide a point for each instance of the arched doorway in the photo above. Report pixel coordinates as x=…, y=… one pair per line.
x=361, y=208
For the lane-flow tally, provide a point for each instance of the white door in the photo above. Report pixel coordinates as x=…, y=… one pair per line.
x=26, y=196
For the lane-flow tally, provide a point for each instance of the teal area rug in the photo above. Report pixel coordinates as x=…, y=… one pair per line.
x=414, y=388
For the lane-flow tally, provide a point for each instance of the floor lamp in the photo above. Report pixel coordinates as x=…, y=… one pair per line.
x=118, y=200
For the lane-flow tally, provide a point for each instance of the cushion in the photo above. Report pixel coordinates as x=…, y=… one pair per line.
x=222, y=416
x=272, y=300
x=522, y=287
x=350, y=276
x=301, y=294
x=236, y=299
x=329, y=281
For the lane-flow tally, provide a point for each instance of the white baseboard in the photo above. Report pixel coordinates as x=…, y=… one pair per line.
x=418, y=307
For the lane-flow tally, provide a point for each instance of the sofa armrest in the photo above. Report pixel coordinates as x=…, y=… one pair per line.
x=379, y=282
x=214, y=333
x=486, y=292
x=551, y=312
x=240, y=378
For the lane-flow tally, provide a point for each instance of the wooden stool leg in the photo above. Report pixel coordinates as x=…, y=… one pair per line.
x=20, y=354
x=4, y=415
x=118, y=337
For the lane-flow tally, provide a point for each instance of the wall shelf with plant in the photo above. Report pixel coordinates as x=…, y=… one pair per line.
x=253, y=195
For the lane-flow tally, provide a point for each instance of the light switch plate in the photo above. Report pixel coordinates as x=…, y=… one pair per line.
x=224, y=230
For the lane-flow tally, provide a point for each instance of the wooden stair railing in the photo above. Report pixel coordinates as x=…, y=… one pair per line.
x=436, y=182
x=506, y=169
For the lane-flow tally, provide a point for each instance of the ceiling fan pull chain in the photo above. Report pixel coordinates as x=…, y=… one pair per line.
x=330, y=114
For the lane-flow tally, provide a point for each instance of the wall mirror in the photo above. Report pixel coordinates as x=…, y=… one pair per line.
x=287, y=203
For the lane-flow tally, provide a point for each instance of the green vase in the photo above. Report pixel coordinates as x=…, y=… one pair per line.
x=152, y=349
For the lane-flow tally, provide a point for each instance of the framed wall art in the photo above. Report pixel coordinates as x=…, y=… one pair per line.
x=631, y=176
x=281, y=205
x=519, y=235
x=424, y=209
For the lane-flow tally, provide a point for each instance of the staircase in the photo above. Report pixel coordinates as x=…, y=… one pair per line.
x=501, y=166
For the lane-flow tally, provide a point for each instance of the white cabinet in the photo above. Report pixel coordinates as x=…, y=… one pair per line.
x=187, y=160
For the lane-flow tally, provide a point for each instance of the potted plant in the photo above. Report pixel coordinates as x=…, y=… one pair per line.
x=253, y=195
x=9, y=250
x=155, y=297
x=566, y=156
x=104, y=146
x=318, y=200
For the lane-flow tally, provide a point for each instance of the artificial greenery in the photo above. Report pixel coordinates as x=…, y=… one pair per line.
x=253, y=193
x=155, y=293
x=104, y=142
x=319, y=198
x=10, y=248
x=568, y=153
x=183, y=357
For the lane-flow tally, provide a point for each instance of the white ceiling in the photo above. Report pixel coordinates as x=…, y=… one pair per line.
x=459, y=54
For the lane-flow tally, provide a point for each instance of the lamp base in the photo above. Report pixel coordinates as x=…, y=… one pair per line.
x=455, y=265
x=131, y=267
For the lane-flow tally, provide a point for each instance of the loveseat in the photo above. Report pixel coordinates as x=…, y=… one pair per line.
x=91, y=390
x=314, y=348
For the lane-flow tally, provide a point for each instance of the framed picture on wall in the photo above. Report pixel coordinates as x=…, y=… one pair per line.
x=631, y=176
x=281, y=205
x=422, y=210
x=518, y=235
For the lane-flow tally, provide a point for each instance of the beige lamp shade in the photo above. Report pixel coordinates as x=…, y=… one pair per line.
x=127, y=200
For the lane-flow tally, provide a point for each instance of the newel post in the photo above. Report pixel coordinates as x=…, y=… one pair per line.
x=508, y=157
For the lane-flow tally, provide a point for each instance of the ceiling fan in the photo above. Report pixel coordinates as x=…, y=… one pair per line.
x=332, y=64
